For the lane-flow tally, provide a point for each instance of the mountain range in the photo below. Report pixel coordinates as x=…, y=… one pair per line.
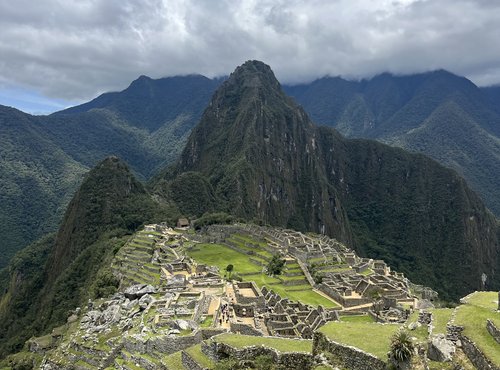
x=439, y=114
x=44, y=158
x=256, y=155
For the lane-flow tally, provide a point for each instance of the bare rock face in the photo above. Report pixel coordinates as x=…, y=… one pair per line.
x=440, y=349
x=138, y=290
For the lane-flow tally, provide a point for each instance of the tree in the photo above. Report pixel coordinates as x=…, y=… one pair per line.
x=275, y=265
x=229, y=270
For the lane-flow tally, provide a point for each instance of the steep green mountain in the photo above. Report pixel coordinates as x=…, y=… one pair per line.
x=61, y=271
x=43, y=158
x=149, y=103
x=439, y=114
x=257, y=155
x=36, y=177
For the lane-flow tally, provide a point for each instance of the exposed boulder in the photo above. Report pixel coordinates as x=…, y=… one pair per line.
x=440, y=349
x=138, y=290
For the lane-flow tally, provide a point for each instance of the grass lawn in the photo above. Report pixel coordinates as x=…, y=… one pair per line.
x=207, y=322
x=221, y=256
x=173, y=361
x=440, y=317
x=357, y=318
x=279, y=344
x=484, y=299
x=200, y=357
x=370, y=337
x=249, y=239
x=473, y=315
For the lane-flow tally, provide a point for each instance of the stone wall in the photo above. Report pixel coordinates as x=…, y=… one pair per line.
x=454, y=332
x=165, y=344
x=189, y=363
x=476, y=356
x=338, y=297
x=245, y=329
x=349, y=357
x=493, y=330
x=207, y=333
x=288, y=360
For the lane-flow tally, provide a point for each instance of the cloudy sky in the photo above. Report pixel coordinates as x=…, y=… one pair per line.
x=56, y=53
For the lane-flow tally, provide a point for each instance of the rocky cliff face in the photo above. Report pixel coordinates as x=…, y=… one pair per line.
x=265, y=160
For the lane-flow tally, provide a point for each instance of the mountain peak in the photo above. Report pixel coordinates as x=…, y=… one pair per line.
x=254, y=74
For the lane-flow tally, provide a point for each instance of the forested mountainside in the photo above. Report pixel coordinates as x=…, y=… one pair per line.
x=43, y=158
x=438, y=114
x=257, y=155
x=147, y=124
x=61, y=271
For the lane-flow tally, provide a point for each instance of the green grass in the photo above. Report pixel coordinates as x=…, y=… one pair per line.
x=279, y=344
x=440, y=317
x=207, y=322
x=322, y=367
x=370, y=337
x=473, y=316
x=199, y=357
x=249, y=239
x=357, y=318
x=484, y=299
x=221, y=256
x=173, y=361
x=367, y=272
x=421, y=333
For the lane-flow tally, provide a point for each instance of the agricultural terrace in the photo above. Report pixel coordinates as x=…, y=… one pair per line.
x=372, y=338
x=477, y=308
x=279, y=344
x=250, y=267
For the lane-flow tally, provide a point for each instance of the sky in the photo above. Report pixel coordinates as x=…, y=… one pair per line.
x=58, y=53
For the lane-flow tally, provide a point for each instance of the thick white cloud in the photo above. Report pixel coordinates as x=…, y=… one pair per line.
x=76, y=49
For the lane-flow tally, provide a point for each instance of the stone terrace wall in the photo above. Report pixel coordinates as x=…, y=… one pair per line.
x=476, y=356
x=189, y=363
x=350, y=357
x=289, y=360
x=493, y=330
x=343, y=301
x=165, y=344
x=245, y=329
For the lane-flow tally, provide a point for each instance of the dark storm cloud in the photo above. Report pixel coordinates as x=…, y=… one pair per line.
x=76, y=49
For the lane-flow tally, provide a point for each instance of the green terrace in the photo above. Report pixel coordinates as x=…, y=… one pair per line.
x=133, y=261
x=472, y=315
x=248, y=268
x=279, y=344
x=370, y=337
